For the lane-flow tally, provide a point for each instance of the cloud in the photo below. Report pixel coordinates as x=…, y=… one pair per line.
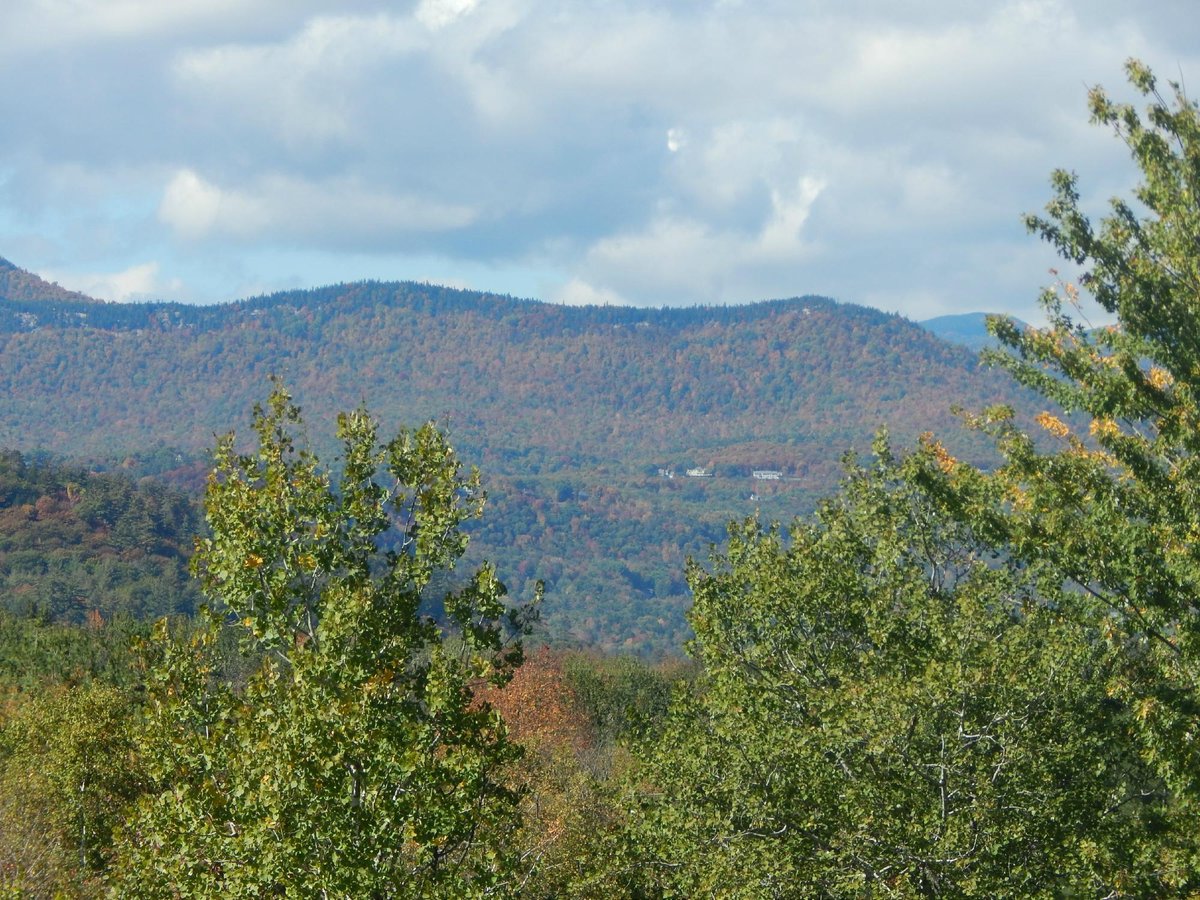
x=437, y=14
x=138, y=282
x=44, y=25
x=682, y=260
x=314, y=85
x=190, y=205
x=281, y=208
x=578, y=292
x=782, y=237
x=664, y=153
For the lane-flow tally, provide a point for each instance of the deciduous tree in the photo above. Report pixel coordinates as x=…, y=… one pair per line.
x=966, y=682
x=889, y=708
x=352, y=763
x=1114, y=507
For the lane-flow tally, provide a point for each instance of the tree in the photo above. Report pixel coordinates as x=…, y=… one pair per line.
x=352, y=763
x=1115, y=511
x=65, y=783
x=565, y=809
x=889, y=708
x=966, y=682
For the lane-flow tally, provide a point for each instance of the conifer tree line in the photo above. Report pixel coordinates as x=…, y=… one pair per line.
x=947, y=682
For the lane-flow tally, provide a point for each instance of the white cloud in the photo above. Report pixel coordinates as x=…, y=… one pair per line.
x=313, y=86
x=138, y=282
x=781, y=237
x=190, y=205
x=578, y=292
x=281, y=208
x=682, y=260
x=437, y=14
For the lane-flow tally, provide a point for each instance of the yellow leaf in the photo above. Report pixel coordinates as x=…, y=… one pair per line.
x=1052, y=424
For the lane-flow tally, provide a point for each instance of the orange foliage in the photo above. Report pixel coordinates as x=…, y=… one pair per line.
x=539, y=706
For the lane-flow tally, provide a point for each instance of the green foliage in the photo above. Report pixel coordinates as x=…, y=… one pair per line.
x=1116, y=511
x=66, y=781
x=570, y=832
x=890, y=708
x=352, y=762
x=32, y=862
x=618, y=694
x=965, y=682
x=75, y=544
x=36, y=654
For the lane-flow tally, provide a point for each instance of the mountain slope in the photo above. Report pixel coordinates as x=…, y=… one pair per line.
x=18, y=285
x=571, y=412
x=75, y=544
x=511, y=378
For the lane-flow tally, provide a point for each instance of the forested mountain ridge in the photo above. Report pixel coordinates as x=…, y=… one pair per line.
x=571, y=412
x=774, y=371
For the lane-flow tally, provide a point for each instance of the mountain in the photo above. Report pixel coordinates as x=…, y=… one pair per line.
x=576, y=415
x=21, y=286
x=966, y=329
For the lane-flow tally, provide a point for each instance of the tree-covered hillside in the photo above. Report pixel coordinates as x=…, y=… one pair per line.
x=19, y=286
x=572, y=412
x=527, y=386
x=78, y=546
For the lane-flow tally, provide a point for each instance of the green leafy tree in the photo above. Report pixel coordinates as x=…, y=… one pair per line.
x=977, y=683
x=888, y=709
x=352, y=762
x=620, y=693
x=66, y=781
x=1112, y=505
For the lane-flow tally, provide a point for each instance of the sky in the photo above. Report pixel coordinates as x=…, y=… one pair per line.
x=575, y=151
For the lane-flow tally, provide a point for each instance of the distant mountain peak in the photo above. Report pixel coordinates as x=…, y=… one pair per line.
x=965, y=329
x=18, y=284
